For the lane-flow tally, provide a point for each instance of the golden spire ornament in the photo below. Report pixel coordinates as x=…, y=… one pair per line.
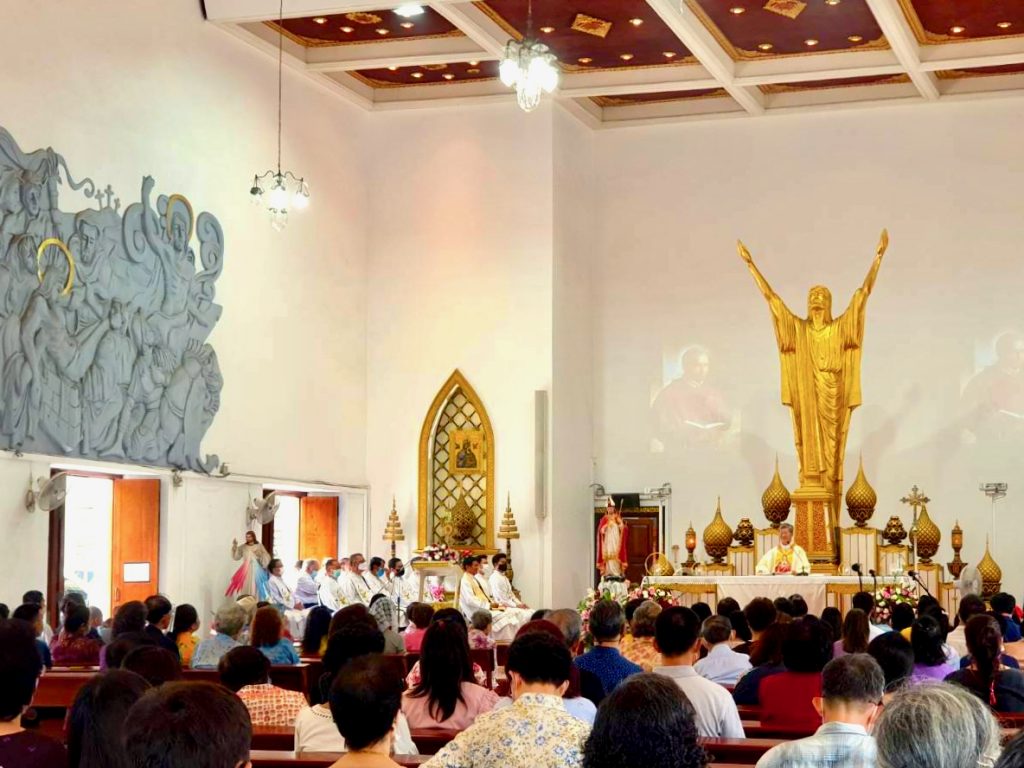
x=861, y=498
x=776, y=501
x=991, y=574
x=717, y=536
x=393, y=529
x=508, y=531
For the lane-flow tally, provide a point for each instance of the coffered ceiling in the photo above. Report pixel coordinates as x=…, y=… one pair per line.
x=629, y=62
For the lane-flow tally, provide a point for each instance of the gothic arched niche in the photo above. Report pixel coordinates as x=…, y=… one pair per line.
x=456, y=467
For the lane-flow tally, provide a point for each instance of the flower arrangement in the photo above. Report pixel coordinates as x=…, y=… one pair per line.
x=440, y=553
x=889, y=596
x=435, y=593
x=662, y=597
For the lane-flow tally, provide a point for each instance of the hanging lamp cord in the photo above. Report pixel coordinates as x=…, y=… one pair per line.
x=280, y=68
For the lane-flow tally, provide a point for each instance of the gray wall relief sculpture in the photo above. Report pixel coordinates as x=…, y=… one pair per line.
x=104, y=319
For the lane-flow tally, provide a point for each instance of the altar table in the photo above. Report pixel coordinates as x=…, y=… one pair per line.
x=819, y=590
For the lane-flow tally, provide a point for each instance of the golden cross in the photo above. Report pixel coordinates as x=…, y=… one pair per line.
x=915, y=499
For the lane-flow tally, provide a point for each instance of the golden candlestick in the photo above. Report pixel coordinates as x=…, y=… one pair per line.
x=957, y=539
x=508, y=531
x=393, y=529
x=691, y=547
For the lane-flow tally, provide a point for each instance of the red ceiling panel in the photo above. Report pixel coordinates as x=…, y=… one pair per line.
x=956, y=74
x=594, y=34
x=760, y=29
x=659, y=97
x=429, y=74
x=366, y=27
x=842, y=82
x=949, y=21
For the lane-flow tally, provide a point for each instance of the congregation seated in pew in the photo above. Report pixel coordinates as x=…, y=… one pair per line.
x=245, y=670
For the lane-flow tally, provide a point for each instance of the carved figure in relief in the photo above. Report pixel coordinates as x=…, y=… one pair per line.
x=114, y=363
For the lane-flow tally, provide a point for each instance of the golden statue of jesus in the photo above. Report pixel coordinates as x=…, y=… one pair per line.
x=820, y=360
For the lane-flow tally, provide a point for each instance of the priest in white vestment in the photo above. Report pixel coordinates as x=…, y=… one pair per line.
x=402, y=589
x=374, y=576
x=472, y=598
x=327, y=587
x=353, y=587
x=785, y=559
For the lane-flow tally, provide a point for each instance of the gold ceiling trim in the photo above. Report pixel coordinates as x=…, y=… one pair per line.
x=455, y=381
x=741, y=54
x=926, y=37
x=312, y=42
x=618, y=101
x=498, y=19
x=967, y=74
x=771, y=88
x=384, y=84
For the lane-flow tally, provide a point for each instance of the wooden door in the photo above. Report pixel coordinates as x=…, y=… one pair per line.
x=318, y=527
x=135, y=540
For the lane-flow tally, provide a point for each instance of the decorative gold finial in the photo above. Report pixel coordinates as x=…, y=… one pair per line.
x=956, y=565
x=508, y=529
x=861, y=498
x=393, y=528
x=717, y=536
x=776, y=501
x=928, y=536
x=991, y=574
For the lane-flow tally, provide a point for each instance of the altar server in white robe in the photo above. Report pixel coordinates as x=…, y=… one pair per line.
x=785, y=559
x=327, y=587
x=403, y=588
x=472, y=598
x=501, y=587
x=481, y=578
x=353, y=587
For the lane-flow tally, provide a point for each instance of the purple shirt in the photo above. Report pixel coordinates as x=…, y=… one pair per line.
x=923, y=673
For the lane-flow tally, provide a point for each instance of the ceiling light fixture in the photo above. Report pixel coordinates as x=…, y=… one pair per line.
x=764, y=46
x=286, y=190
x=474, y=63
x=407, y=25
x=547, y=30
x=393, y=68
x=810, y=42
x=584, y=60
x=383, y=31
x=417, y=75
x=408, y=10
x=528, y=66
x=320, y=20
x=625, y=56
x=1004, y=24
x=669, y=54
x=347, y=30
x=737, y=10
x=636, y=22
x=448, y=76
x=956, y=30
x=831, y=2
x=855, y=38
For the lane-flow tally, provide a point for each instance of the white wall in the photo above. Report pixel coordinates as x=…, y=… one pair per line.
x=809, y=195
x=459, y=277
x=568, y=565
x=128, y=89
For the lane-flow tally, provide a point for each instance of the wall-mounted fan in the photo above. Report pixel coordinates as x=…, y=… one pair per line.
x=262, y=511
x=48, y=493
x=970, y=581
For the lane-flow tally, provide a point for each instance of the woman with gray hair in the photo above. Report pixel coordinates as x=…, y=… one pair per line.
x=936, y=726
x=640, y=650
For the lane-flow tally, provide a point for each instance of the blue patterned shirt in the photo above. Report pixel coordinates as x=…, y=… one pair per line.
x=536, y=731
x=833, y=745
x=610, y=666
x=208, y=652
x=281, y=653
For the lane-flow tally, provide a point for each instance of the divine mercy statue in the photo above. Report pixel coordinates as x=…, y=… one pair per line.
x=820, y=360
x=611, y=543
x=251, y=578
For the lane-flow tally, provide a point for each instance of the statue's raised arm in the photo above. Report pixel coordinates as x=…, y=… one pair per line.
x=869, y=281
x=762, y=284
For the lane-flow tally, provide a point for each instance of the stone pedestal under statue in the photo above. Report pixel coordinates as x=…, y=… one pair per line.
x=816, y=514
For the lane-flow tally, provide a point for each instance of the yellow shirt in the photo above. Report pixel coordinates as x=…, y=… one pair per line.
x=186, y=647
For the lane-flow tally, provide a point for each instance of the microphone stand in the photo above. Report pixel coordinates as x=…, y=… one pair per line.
x=913, y=574
x=860, y=576
x=874, y=581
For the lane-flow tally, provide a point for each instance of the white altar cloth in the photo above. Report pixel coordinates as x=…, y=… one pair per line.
x=819, y=590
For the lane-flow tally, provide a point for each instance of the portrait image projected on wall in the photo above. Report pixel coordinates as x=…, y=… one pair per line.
x=688, y=409
x=992, y=401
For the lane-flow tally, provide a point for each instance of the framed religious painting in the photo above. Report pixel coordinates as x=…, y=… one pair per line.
x=466, y=455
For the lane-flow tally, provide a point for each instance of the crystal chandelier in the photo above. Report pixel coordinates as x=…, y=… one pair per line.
x=529, y=67
x=286, y=190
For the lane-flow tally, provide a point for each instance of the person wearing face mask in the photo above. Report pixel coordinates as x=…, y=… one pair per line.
x=329, y=589
x=354, y=588
x=402, y=591
x=374, y=576
x=501, y=587
x=481, y=577
x=306, y=586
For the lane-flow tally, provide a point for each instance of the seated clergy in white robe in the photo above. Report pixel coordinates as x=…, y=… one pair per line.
x=327, y=587
x=787, y=558
x=374, y=577
x=472, y=598
x=353, y=587
x=501, y=587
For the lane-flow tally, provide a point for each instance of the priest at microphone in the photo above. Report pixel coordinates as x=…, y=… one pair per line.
x=787, y=558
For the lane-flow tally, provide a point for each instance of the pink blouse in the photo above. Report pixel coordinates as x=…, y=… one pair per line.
x=477, y=700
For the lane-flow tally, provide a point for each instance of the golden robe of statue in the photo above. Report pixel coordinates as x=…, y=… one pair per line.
x=820, y=360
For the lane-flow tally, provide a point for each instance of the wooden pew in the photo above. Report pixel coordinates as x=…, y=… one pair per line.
x=739, y=751
x=273, y=737
x=279, y=759
x=429, y=741
x=501, y=655
x=485, y=658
